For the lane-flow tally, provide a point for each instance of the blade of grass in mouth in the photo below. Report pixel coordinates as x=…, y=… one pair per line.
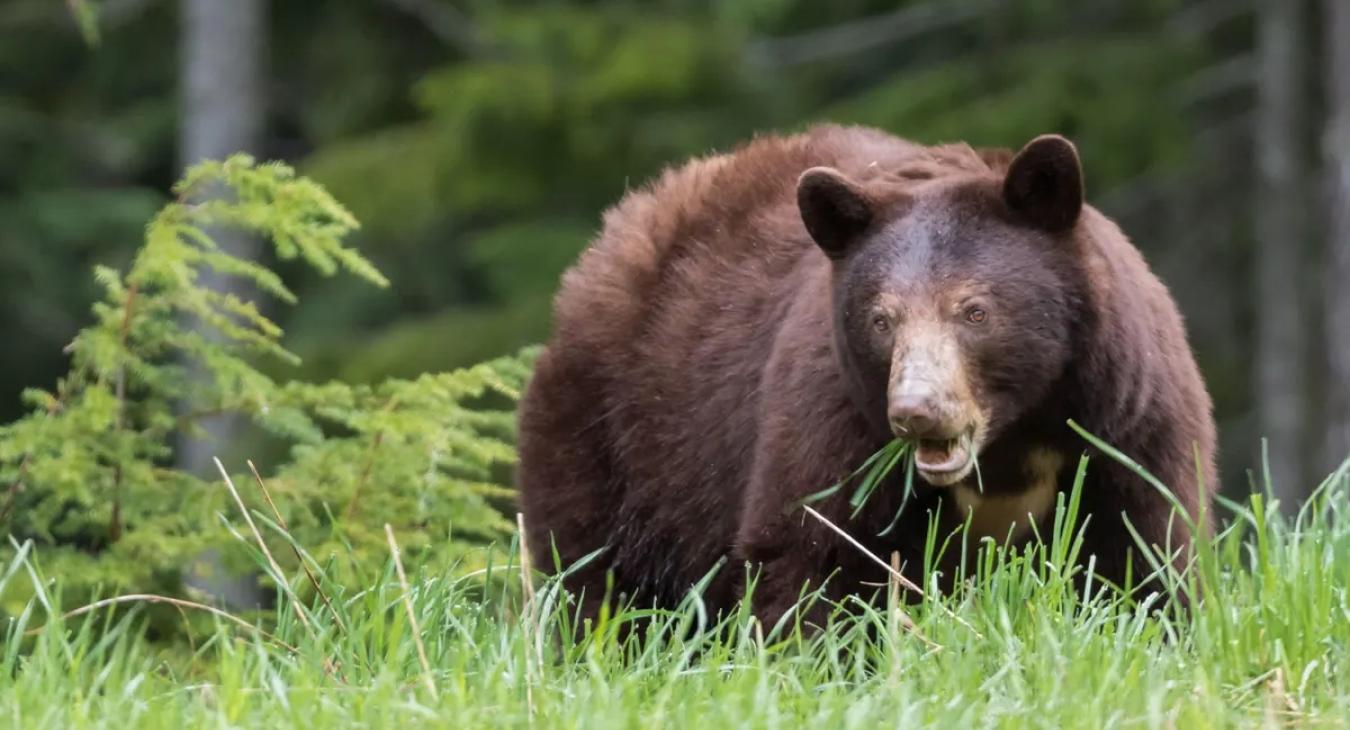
x=822, y=494
x=904, y=500
x=894, y=451
x=873, y=471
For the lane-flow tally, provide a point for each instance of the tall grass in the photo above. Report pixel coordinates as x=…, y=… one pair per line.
x=1020, y=644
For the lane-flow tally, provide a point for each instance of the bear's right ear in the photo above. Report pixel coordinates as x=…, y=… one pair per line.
x=835, y=210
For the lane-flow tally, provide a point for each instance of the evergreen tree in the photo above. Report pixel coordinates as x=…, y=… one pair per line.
x=89, y=474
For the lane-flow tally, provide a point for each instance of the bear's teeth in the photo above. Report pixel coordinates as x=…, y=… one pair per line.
x=936, y=450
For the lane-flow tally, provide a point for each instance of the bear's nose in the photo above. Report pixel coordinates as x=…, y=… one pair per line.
x=913, y=415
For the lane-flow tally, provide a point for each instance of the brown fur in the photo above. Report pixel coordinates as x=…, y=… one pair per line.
x=699, y=382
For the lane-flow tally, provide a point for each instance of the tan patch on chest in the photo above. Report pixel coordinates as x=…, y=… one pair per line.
x=1004, y=514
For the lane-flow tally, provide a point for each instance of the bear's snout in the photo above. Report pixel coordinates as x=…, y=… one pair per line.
x=939, y=429
x=914, y=414
x=928, y=397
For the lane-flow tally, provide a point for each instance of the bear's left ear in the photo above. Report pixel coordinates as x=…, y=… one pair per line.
x=835, y=210
x=1045, y=183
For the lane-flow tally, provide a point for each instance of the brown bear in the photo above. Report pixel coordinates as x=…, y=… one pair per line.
x=751, y=326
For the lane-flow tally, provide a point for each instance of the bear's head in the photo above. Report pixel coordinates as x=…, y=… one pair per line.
x=955, y=293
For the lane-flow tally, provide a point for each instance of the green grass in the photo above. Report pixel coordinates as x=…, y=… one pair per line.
x=1016, y=647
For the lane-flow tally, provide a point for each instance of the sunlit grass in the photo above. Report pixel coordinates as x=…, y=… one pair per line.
x=1021, y=644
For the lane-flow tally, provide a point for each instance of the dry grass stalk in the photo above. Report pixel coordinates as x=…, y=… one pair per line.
x=894, y=574
x=281, y=521
x=528, y=619
x=276, y=569
x=177, y=602
x=412, y=616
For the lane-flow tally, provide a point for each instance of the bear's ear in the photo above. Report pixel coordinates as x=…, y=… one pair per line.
x=1045, y=183
x=835, y=210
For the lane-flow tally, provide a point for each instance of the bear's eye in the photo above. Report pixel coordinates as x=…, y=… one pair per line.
x=880, y=323
x=976, y=315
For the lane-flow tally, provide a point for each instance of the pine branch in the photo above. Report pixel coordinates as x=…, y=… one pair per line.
x=115, y=525
x=419, y=454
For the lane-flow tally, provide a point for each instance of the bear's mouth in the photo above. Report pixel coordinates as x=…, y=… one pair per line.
x=944, y=461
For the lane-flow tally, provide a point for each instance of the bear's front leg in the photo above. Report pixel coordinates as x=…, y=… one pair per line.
x=799, y=564
x=788, y=553
x=789, y=556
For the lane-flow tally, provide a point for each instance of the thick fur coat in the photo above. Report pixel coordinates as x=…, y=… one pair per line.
x=750, y=327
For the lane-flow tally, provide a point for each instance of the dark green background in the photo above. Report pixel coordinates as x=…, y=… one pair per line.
x=480, y=169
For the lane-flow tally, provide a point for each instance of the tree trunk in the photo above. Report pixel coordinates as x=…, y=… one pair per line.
x=222, y=113
x=1279, y=218
x=223, y=109
x=1336, y=145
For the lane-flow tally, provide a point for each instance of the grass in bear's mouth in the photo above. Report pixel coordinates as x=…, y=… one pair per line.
x=870, y=475
x=872, y=472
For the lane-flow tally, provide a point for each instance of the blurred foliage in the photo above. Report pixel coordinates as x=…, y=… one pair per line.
x=87, y=472
x=575, y=102
x=480, y=159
